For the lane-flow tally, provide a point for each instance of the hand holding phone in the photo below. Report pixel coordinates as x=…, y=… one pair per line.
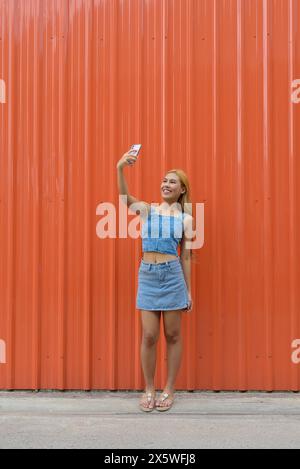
x=130, y=157
x=135, y=149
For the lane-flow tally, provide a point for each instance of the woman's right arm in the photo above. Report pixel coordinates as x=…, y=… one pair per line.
x=128, y=160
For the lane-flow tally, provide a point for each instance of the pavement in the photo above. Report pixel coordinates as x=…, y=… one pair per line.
x=111, y=420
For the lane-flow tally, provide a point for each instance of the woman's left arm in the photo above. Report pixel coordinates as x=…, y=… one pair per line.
x=186, y=267
x=185, y=253
x=185, y=257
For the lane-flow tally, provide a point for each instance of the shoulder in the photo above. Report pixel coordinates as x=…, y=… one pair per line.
x=140, y=207
x=187, y=218
x=145, y=207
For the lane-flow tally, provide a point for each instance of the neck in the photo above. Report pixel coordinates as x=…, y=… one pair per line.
x=165, y=205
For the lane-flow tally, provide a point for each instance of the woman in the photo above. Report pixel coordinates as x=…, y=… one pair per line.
x=164, y=280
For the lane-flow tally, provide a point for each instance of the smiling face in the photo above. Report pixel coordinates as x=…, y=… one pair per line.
x=171, y=188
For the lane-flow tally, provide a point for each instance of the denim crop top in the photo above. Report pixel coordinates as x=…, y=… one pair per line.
x=162, y=233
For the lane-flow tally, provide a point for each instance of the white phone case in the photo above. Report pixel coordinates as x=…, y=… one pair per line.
x=135, y=149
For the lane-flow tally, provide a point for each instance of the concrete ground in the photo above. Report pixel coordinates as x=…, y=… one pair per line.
x=113, y=420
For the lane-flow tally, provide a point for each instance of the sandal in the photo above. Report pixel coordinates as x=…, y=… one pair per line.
x=162, y=408
x=150, y=397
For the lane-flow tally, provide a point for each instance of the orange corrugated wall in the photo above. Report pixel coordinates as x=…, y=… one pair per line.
x=204, y=85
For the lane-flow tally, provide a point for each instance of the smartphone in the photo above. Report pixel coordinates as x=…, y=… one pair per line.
x=135, y=149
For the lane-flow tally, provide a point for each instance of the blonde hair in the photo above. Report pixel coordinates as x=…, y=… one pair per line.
x=184, y=198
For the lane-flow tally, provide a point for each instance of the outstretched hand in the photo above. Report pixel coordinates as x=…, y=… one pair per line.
x=126, y=160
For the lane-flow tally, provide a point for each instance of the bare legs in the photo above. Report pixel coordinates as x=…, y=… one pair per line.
x=151, y=325
x=172, y=323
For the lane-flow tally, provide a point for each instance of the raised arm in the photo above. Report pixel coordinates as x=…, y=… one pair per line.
x=128, y=160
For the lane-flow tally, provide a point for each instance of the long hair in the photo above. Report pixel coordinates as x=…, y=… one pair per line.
x=185, y=184
x=184, y=198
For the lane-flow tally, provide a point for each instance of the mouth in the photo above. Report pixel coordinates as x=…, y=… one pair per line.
x=166, y=191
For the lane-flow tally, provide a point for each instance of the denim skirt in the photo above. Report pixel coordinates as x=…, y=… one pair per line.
x=161, y=287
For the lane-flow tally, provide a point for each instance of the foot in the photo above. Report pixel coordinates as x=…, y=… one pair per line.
x=165, y=400
x=147, y=401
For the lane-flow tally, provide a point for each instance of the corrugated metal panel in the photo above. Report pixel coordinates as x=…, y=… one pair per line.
x=205, y=85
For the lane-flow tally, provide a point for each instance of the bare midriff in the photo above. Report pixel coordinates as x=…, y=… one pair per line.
x=157, y=257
